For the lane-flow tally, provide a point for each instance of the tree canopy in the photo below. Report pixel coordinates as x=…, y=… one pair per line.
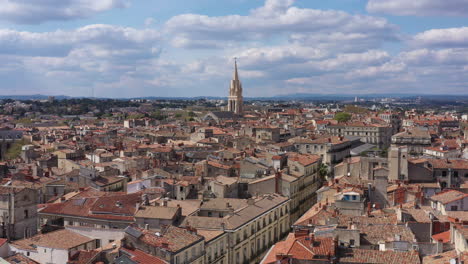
x=342, y=117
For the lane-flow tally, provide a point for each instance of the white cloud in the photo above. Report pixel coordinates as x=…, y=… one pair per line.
x=419, y=7
x=433, y=58
x=448, y=37
x=275, y=19
x=90, y=56
x=378, y=71
x=59, y=43
x=39, y=11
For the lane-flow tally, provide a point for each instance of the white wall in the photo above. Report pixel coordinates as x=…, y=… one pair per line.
x=462, y=205
x=133, y=187
x=105, y=235
x=45, y=255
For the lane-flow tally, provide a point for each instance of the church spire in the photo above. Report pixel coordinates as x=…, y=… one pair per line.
x=236, y=74
x=235, y=99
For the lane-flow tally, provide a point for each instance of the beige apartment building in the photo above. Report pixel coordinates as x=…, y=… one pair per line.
x=377, y=134
x=332, y=149
x=299, y=181
x=249, y=227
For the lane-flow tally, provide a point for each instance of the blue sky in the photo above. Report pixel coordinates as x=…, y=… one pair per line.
x=130, y=48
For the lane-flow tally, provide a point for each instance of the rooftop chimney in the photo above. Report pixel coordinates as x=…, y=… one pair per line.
x=278, y=178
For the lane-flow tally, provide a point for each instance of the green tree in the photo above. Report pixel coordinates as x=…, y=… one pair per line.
x=342, y=117
x=136, y=116
x=15, y=150
x=355, y=109
x=158, y=115
x=323, y=170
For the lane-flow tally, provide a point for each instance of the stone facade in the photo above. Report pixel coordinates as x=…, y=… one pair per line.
x=18, y=212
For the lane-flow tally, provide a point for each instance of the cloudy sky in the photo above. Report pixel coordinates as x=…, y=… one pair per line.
x=130, y=48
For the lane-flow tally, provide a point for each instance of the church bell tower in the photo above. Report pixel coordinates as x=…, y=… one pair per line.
x=235, y=100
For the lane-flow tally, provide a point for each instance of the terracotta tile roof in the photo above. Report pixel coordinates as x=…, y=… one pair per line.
x=460, y=215
x=444, y=237
x=314, y=216
x=119, y=207
x=156, y=212
x=61, y=239
x=459, y=164
x=219, y=165
x=301, y=247
x=226, y=180
x=223, y=203
x=442, y=258
x=107, y=180
x=188, y=206
x=449, y=196
x=419, y=215
x=372, y=234
x=121, y=204
x=380, y=257
x=141, y=257
x=171, y=237
x=304, y=159
x=209, y=234
x=83, y=257
x=20, y=259
x=380, y=221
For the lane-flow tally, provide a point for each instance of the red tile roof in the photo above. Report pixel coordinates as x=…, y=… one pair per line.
x=444, y=237
x=304, y=159
x=301, y=247
x=141, y=257
x=171, y=238
x=449, y=196
x=119, y=207
x=380, y=257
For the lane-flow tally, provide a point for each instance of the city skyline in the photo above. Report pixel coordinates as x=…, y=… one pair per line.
x=118, y=48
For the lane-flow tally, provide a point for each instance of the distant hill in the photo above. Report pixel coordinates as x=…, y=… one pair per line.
x=33, y=97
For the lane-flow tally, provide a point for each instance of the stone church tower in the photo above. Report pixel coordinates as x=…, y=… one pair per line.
x=235, y=101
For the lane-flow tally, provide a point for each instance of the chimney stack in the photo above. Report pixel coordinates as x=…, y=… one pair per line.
x=278, y=180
